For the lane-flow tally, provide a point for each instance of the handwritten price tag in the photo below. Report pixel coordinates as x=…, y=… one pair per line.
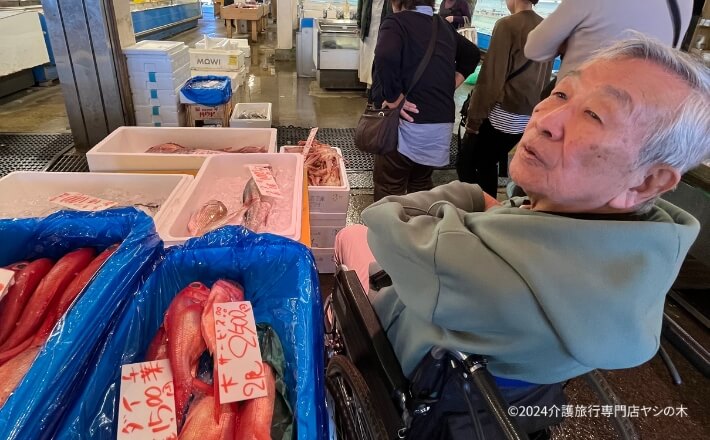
x=264, y=179
x=240, y=370
x=147, y=406
x=7, y=277
x=81, y=202
x=309, y=141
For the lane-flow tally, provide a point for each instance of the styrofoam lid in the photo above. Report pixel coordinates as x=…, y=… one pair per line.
x=153, y=47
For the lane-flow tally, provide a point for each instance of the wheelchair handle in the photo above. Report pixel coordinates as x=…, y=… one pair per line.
x=483, y=381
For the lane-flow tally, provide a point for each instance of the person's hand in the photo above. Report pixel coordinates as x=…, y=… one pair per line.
x=473, y=125
x=490, y=201
x=407, y=108
x=450, y=18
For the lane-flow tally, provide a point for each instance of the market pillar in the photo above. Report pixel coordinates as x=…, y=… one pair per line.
x=87, y=37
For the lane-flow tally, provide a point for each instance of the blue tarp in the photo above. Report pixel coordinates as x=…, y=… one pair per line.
x=279, y=278
x=56, y=377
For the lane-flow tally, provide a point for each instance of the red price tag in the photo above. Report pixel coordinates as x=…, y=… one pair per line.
x=147, y=402
x=264, y=179
x=81, y=202
x=240, y=369
x=7, y=278
x=309, y=141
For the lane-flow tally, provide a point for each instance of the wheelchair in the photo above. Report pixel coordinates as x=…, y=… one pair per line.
x=370, y=397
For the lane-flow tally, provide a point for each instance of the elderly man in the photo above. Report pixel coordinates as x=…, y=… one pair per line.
x=573, y=277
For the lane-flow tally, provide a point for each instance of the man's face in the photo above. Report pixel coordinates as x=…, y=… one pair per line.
x=578, y=151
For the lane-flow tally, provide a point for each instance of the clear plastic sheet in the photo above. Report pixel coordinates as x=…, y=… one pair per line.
x=208, y=90
x=279, y=278
x=56, y=377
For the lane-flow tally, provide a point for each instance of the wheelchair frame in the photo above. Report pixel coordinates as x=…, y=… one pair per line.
x=355, y=332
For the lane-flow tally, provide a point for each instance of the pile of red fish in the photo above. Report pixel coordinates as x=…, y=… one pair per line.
x=188, y=330
x=322, y=164
x=42, y=293
x=173, y=148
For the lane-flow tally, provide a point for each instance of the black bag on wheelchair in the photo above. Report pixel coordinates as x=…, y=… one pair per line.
x=444, y=406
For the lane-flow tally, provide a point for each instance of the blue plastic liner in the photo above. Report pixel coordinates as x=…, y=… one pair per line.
x=56, y=377
x=208, y=90
x=279, y=278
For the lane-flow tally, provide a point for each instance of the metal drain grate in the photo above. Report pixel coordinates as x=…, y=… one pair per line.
x=344, y=138
x=75, y=162
x=30, y=152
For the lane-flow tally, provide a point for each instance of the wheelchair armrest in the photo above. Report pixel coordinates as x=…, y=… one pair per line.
x=350, y=300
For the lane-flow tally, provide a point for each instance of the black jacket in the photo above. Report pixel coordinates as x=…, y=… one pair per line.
x=364, y=15
x=401, y=45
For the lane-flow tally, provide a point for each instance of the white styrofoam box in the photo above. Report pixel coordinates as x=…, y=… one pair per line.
x=325, y=259
x=156, y=56
x=261, y=107
x=218, y=43
x=328, y=219
x=242, y=76
x=35, y=188
x=125, y=148
x=173, y=227
x=221, y=60
x=324, y=236
x=328, y=198
x=156, y=97
x=158, y=113
x=159, y=81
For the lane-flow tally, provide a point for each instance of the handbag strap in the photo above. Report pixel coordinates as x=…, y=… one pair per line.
x=427, y=56
x=519, y=70
x=675, y=17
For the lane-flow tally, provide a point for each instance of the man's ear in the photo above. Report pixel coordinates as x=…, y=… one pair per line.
x=658, y=180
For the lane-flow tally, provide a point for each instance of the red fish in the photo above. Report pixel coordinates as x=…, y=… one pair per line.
x=158, y=348
x=256, y=415
x=203, y=424
x=26, y=281
x=54, y=283
x=185, y=346
x=12, y=372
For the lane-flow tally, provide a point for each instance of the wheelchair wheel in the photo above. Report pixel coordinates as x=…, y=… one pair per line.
x=355, y=415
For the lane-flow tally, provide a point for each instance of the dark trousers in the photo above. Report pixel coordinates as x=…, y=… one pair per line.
x=396, y=174
x=480, y=154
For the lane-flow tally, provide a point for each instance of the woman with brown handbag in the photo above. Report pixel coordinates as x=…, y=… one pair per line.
x=425, y=62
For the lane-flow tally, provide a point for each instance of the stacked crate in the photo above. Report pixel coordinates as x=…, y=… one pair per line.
x=156, y=71
x=328, y=211
x=220, y=56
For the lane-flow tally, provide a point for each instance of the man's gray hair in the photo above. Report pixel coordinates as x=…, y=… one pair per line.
x=682, y=137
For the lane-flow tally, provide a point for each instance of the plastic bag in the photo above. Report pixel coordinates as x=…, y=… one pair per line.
x=38, y=403
x=279, y=278
x=209, y=90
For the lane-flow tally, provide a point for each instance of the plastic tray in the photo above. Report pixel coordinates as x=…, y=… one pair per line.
x=125, y=148
x=22, y=191
x=328, y=199
x=173, y=227
x=262, y=107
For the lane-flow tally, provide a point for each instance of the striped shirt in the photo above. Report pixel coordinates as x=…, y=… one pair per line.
x=507, y=122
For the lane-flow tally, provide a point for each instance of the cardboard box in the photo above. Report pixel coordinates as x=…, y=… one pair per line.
x=207, y=116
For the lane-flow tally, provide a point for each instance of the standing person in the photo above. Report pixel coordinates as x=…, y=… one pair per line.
x=577, y=28
x=369, y=16
x=508, y=88
x=456, y=12
x=427, y=118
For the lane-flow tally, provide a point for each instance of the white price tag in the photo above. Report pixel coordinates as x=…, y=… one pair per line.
x=7, y=278
x=309, y=141
x=147, y=402
x=240, y=369
x=82, y=202
x=264, y=179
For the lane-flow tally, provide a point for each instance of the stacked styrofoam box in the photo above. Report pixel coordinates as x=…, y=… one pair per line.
x=221, y=56
x=328, y=206
x=230, y=44
x=156, y=71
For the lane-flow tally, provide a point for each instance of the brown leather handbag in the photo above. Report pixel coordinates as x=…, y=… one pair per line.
x=377, y=130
